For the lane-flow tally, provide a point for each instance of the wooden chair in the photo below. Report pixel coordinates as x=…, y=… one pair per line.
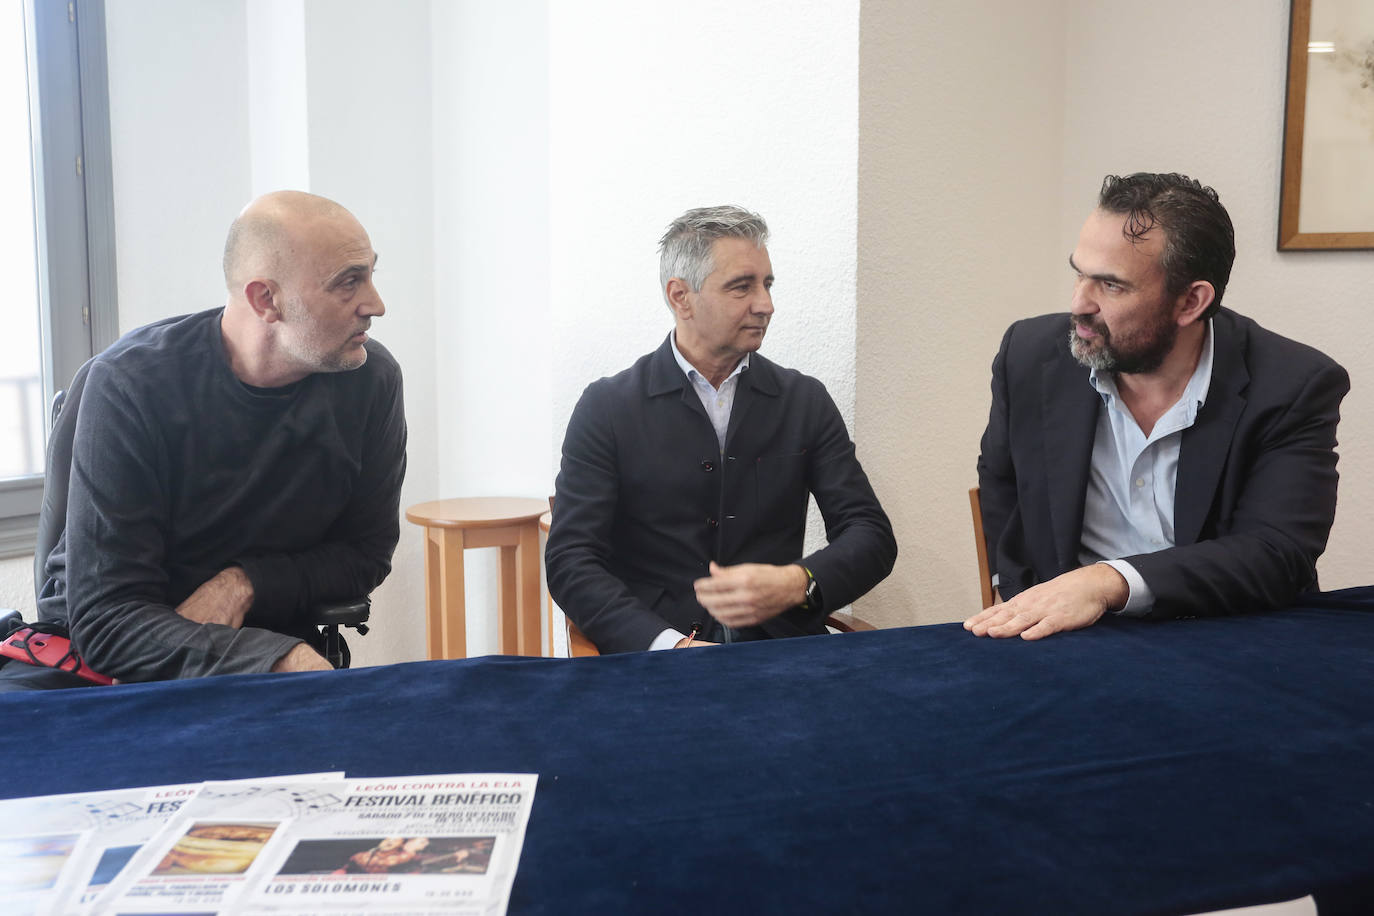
x=579, y=646
x=980, y=545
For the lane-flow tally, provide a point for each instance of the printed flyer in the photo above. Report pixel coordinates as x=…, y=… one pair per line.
x=413, y=845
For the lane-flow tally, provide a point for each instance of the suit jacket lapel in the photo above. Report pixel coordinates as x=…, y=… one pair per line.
x=1207, y=443
x=759, y=380
x=1070, y=425
x=666, y=376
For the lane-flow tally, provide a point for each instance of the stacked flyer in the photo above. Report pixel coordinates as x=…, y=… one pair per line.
x=303, y=844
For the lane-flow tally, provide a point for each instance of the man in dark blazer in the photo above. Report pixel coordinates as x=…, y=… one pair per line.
x=1151, y=453
x=680, y=507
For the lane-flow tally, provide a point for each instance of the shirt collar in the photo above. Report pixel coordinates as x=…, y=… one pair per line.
x=690, y=371
x=1194, y=395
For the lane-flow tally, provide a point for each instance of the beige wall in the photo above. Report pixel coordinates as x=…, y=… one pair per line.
x=984, y=132
x=960, y=125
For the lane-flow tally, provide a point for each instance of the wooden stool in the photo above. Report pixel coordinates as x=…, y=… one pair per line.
x=454, y=525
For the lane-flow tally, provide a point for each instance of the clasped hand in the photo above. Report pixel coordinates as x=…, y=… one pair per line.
x=226, y=599
x=750, y=593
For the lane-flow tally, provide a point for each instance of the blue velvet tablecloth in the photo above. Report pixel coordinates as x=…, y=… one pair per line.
x=1131, y=768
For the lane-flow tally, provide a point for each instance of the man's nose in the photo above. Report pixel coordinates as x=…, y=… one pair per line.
x=1081, y=303
x=373, y=306
x=763, y=303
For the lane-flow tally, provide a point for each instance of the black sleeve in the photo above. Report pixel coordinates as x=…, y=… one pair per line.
x=1266, y=552
x=861, y=548
x=118, y=509
x=579, y=547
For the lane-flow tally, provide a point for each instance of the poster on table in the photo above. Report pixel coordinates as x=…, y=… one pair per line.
x=412, y=845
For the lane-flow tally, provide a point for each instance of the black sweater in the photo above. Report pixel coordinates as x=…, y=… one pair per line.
x=179, y=470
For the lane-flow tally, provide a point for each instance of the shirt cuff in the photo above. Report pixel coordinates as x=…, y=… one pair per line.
x=1140, y=599
x=666, y=640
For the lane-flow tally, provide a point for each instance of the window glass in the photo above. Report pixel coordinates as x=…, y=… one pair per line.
x=21, y=385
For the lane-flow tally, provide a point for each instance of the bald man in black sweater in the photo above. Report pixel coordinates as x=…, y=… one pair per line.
x=233, y=467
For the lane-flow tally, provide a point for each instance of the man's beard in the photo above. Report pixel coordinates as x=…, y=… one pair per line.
x=1137, y=353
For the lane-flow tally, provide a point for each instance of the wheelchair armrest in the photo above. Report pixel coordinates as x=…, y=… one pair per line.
x=342, y=613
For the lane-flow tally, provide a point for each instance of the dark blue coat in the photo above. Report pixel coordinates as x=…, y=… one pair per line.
x=645, y=500
x=1256, y=486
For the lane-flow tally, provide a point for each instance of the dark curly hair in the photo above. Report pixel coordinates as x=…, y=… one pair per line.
x=1199, y=240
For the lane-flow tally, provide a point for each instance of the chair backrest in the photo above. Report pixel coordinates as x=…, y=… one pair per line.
x=57, y=472
x=981, y=546
x=579, y=646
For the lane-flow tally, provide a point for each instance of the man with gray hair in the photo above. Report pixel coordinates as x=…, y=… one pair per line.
x=232, y=468
x=681, y=504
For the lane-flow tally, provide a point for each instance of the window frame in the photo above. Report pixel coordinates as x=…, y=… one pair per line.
x=69, y=117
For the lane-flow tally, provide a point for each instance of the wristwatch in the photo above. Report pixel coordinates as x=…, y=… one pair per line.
x=812, y=601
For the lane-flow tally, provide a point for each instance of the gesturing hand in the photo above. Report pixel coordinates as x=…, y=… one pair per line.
x=750, y=593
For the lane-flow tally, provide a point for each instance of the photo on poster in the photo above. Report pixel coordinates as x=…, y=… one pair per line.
x=215, y=848
x=392, y=855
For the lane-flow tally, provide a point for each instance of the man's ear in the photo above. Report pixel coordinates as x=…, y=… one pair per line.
x=1193, y=302
x=678, y=301
x=264, y=296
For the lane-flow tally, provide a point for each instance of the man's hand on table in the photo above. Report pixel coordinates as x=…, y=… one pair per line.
x=750, y=593
x=224, y=599
x=302, y=658
x=1072, y=601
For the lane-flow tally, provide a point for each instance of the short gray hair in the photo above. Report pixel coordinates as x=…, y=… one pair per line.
x=685, y=249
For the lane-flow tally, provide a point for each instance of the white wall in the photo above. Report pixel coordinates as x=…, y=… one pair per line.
x=179, y=128
x=656, y=108
x=492, y=345
x=368, y=99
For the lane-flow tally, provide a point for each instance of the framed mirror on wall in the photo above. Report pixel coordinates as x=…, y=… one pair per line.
x=1327, y=196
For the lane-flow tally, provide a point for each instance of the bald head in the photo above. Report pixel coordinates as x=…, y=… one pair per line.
x=270, y=230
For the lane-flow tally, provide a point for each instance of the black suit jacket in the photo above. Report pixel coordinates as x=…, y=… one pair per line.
x=645, y=500
x=1256, y=485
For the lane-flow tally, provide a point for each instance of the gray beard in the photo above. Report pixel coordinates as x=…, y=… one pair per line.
x=1105, y=359
x=1102, y=358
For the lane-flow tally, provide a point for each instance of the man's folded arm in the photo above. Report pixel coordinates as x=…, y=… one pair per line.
x=862, y=549
x=579, y=546
x=116, y=584
x=1266, y=553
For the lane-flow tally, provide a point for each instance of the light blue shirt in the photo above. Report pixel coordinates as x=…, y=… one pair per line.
x=1129, y=507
